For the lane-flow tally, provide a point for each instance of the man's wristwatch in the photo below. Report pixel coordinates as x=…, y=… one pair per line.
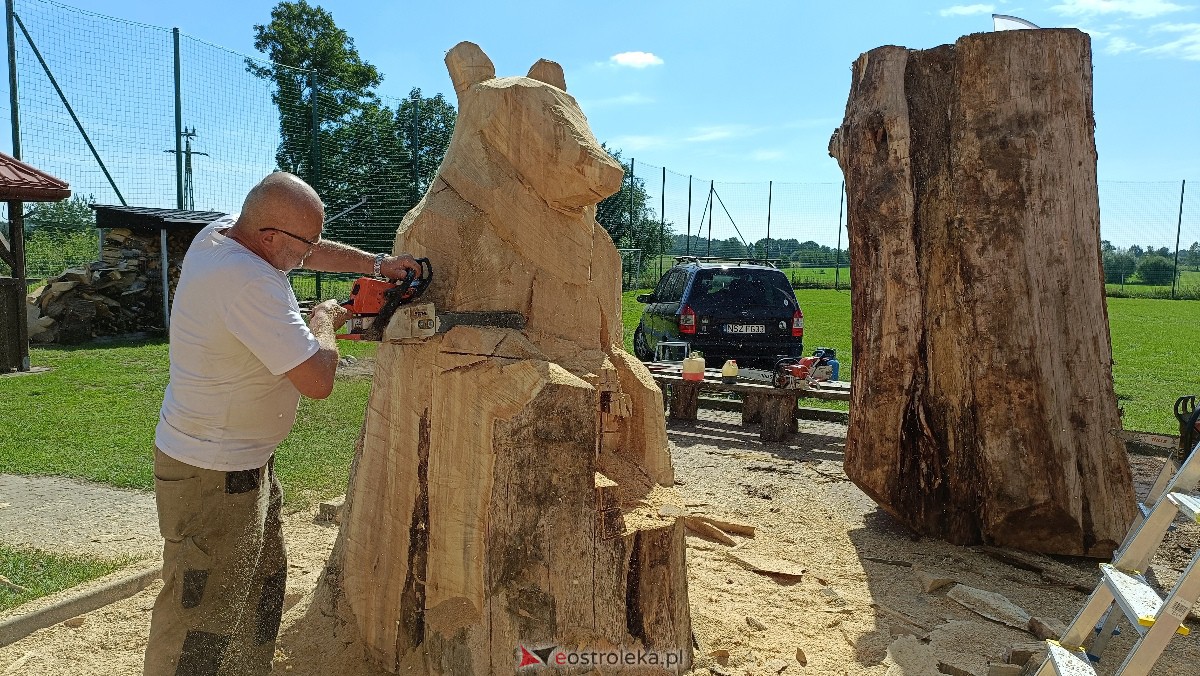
x=378, y=262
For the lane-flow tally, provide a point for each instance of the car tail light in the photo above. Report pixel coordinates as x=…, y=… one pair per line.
x=797, y=324
x=687, y=320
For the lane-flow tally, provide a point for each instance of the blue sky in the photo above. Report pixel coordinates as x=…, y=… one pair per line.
x=743, y=93
x=750, y=91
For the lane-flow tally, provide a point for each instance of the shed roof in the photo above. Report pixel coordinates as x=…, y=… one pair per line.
x=23, y=182
x=116, y=216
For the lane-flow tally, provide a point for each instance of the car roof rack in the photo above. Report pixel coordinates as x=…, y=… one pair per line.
x=723, y=259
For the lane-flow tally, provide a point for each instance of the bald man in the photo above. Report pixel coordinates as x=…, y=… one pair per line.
x=241, y=357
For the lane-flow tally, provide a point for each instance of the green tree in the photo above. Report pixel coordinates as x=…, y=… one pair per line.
x=645, y=230
x=1155, y=269
x=307, y=48
x=55, y=218
x=425, y=124
x=1118, y=266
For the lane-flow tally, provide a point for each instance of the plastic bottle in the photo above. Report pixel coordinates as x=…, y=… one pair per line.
x=693, y=368
x=830, y=355
x=729, y=372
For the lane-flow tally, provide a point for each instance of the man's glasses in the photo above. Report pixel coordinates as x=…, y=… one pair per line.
x=309, y=242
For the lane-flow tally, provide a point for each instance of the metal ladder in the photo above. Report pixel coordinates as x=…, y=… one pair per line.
x=1123, y=588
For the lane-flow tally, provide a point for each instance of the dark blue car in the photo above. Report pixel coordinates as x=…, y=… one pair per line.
x=739, y=310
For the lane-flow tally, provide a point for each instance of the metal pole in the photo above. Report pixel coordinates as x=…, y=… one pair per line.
x=70, y=110
x=711, y=189
x=415, y=151
x=314, y=156
x=166, y=279
x=178, y=127
x=1178, y=229
x=837, y=271
x=14, y=109
x=662, y=220
x=16, y=219
x=687, y=246
x=632, y=186
x=769, y=194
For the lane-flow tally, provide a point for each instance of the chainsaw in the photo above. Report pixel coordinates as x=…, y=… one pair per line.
x=386, y=310
x=802, y=373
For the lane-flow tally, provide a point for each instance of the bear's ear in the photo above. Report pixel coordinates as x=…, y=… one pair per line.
x=549, y=72
x=467, y=65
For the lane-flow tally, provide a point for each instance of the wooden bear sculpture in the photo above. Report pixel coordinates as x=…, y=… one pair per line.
x=506, y=493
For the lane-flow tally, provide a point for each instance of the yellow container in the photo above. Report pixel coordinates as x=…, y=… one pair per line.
x=729, y=372
x=693, y=368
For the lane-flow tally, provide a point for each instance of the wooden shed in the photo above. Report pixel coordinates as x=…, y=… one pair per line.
x=19, y=183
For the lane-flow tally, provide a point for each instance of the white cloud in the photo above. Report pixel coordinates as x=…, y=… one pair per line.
x=635, y=59
x=636, y=143
x=633, y=99
x=1119, y=45
x=1096, y=34
x=717, y=133
x=1186, y=47
x=766, y=155
x=1139, y=9
x=967, y=10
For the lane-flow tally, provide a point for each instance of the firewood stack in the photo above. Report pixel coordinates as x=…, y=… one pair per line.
x=120, y=293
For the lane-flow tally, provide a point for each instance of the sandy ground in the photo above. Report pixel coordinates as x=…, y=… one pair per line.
x=858, y=608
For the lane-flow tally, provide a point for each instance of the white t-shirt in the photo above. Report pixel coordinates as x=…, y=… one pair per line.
x=236, y=330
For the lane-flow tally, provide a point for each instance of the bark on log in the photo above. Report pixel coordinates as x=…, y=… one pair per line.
x=685, y=399
x=507, y=489
x=983, y=406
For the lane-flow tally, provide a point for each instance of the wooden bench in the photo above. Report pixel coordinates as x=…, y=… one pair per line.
x=771, y=407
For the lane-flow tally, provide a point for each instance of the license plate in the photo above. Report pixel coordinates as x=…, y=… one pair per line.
x=746, y=328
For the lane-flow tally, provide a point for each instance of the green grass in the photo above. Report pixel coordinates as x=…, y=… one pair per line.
x=1156, y=349
x=43, y=573
x=93, y=418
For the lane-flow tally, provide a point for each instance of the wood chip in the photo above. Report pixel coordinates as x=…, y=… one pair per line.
x=755, y=623
x=801, y=657
x=707, y=530
x=767, y=565
x=727, y=525
x=74, y=622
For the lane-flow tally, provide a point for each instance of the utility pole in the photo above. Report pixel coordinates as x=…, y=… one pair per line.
x=188, y=202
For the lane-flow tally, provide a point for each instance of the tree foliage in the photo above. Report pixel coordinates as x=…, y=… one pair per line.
x=1155, y=269
x=629, y=217
x=370, y=163
x=54, y=218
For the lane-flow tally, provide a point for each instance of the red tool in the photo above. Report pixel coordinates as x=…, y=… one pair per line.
x=373, y=301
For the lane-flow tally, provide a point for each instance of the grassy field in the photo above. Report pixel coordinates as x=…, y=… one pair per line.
x=93, y=418
x=1156, y=349
x=42, y=573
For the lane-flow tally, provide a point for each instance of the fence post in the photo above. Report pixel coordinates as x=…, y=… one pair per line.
x=1178, y=230
x=711, y=189
x=770, y=191
x=314, y=157
x=632, y=187
x=178, y=126
x=662, y=219
x=14, y=114
x=837, y=271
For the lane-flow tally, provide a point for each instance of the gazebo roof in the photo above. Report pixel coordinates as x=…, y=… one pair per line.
x=22, y=182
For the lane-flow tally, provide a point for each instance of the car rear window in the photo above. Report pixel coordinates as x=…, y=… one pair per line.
x=742, y=288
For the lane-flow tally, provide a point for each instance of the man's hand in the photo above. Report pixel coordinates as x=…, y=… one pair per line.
x=332, y=309
x=397, y=267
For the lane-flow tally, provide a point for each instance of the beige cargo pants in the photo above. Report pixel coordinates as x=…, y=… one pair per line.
x=224, y=571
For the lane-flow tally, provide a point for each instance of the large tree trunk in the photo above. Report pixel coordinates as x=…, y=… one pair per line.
x=506, y=493
x=983, y=406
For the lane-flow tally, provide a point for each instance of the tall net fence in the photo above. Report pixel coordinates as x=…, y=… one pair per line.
x=138, y=115
x=134, y=114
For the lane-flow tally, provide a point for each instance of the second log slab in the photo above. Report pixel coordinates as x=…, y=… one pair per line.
x=983, y=407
